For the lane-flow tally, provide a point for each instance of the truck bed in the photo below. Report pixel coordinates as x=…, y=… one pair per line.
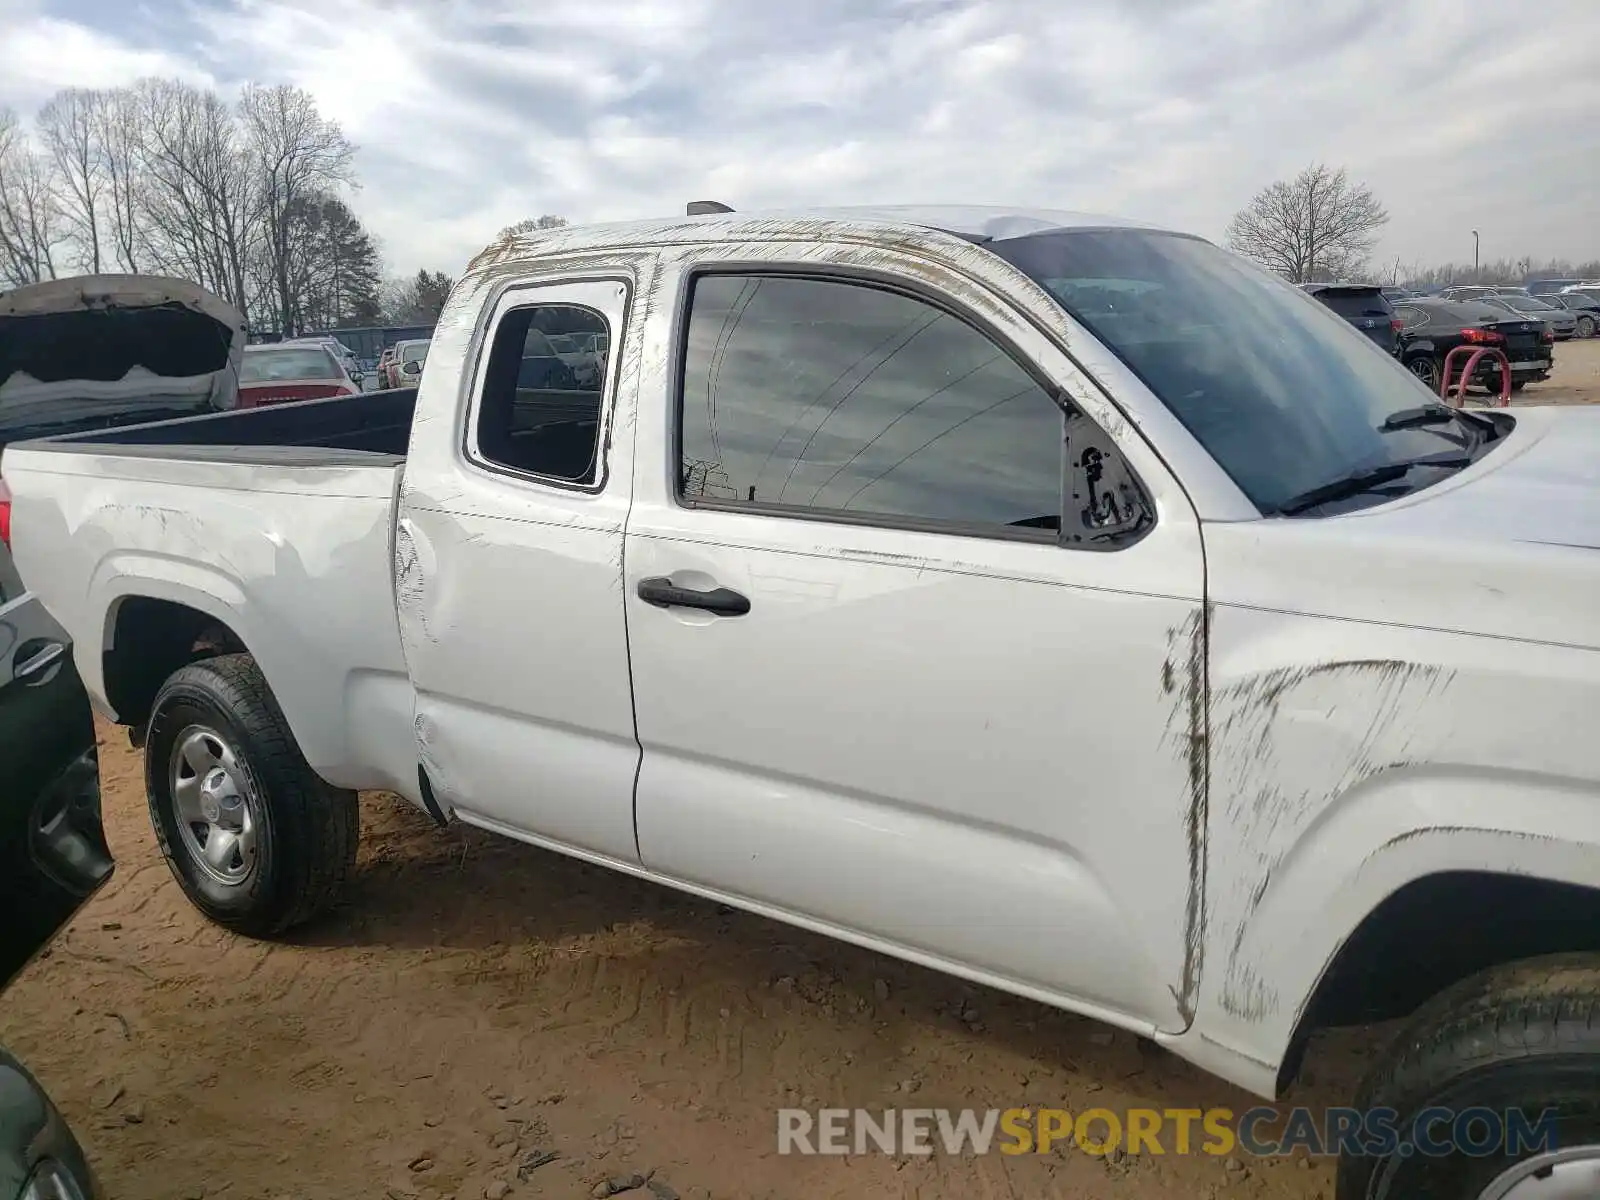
x=370, y=429
x=274, y=523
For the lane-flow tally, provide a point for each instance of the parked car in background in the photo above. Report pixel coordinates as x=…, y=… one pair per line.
x=345, y=355
x=1430, y=329
x=1466, y=291
x=1540, y=287
x=1584, y=307
x=579, y=352
x=96, y=352
x=385, y=363
x=1393, y=293
x=1562, y=323
x=406, y=369
x=274, y=374
x=1364, y=306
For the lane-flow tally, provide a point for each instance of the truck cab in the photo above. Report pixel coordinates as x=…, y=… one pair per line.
x=1048, y=599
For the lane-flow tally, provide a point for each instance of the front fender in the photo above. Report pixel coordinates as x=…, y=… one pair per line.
x=1394, y=755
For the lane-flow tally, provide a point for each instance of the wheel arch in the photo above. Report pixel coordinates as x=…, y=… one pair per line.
x=147, y=638
x=1446, y=927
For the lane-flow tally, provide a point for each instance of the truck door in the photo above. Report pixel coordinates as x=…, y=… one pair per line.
x=508, y=553
x=879, y=684
x=52, y=852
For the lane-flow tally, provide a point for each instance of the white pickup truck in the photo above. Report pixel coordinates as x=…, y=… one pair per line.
x=1050, y=600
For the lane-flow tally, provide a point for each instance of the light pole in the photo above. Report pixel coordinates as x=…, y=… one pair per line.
x=1474, y=256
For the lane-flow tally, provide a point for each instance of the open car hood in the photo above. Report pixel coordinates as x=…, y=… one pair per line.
x=97, y=350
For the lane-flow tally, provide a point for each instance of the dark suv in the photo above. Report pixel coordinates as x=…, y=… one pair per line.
x=1363, y=305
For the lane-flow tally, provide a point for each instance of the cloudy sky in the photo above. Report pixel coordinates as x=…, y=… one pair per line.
x=470, y=114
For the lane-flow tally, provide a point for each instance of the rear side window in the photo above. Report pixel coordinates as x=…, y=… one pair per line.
x=1355, y=304
x=820, y=397
x=541, y=405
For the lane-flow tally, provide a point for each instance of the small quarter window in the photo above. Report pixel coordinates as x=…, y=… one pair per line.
x=543, y=393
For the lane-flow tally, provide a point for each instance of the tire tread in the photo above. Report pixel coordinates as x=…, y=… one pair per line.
x=316, y=824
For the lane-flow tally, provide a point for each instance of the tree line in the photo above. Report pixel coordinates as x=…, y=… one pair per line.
x=244, y=198
x=1321, y=227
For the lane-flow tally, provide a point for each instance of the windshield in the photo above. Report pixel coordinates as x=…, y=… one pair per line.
x=1284, y=394
x=1528, y=304
x=299, y=362
x=416, y=352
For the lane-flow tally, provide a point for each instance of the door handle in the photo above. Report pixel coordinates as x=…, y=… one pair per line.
x=663, y=593
x=34, y=660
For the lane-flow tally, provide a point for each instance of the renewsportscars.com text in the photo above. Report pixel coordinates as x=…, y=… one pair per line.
x=1264, y=1131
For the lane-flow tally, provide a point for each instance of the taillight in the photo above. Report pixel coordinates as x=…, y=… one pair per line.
x=1396, y=324
x=1549, y=335
x=5, y=515
x=1482, y=337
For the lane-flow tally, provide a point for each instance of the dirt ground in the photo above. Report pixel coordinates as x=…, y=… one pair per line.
x=478, y=1003
x=1575, y=380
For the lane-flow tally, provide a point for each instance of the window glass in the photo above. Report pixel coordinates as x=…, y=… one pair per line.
x=1281, y=392
x=1350, y=302
x=844, y=398
x=541, y=408
x=300, y=362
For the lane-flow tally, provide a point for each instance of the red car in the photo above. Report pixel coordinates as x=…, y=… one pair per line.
x=276, y=374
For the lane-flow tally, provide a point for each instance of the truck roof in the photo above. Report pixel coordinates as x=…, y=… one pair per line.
x=973, y=223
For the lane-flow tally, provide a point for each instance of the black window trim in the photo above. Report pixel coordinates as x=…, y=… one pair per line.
x=483, y=346
x=884, y=281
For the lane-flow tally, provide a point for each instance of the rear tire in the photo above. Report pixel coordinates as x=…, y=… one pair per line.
x=258, y=842
x=1523, y=1036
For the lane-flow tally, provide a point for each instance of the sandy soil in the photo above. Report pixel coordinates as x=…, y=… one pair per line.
x=477, y=1003
x=1575, y=380
x=477, y=1000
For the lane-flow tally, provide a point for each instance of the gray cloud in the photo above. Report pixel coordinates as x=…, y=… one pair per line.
x=474, y=113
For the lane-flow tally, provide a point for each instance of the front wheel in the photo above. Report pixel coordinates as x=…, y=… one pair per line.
x=1495, y=1085
x=1426, y=369
x=256, y=840
x=1586, y=327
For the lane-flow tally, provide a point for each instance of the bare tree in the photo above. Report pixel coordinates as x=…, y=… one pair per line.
x=118, y=139
x=68, y=127
x=1317, y=226
x=297, y=155
x=29, y=218
x=197, y=187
